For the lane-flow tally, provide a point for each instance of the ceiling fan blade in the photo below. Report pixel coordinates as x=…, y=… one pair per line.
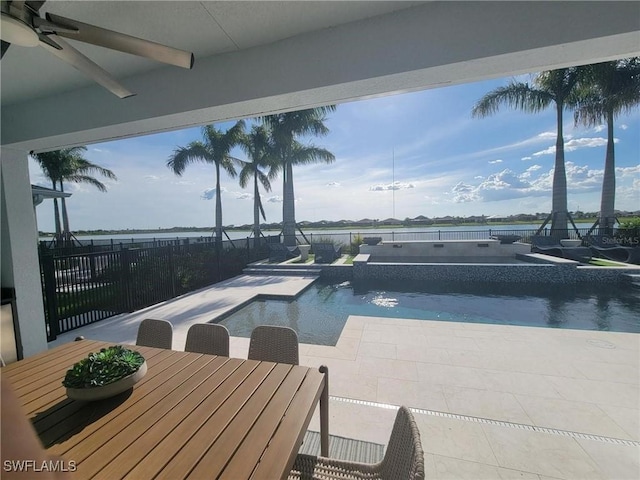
x=5, y=46
x=124, y=43
x=77, y=60
x=45, y=26
x=44, y=38
x=35, y=5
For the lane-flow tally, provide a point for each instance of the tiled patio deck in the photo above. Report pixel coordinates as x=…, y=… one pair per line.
x=491, y=401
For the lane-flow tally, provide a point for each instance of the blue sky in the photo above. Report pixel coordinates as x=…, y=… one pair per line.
x=444, y=162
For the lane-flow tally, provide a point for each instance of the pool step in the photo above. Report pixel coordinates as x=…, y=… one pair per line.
x=282, y=270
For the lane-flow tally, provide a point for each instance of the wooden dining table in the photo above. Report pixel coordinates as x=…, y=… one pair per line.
x=191, y=416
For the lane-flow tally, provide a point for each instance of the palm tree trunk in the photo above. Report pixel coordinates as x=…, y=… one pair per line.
x=288, y=209
x=56, y=215
x=256, y=211
x=65, y=217
x=559, y=213
x=607, y=202
x=218, y=209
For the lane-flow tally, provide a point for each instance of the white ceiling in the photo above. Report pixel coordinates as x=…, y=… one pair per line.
x=254, y=58
x=204, y=28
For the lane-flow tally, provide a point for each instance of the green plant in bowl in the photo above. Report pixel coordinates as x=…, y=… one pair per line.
x=105, y=373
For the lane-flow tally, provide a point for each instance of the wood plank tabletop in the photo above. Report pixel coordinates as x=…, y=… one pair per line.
x=191, y=416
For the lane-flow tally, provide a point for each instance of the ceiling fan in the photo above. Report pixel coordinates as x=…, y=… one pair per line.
x=22, y=25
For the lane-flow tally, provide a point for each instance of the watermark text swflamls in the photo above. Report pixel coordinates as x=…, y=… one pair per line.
x=39, y=466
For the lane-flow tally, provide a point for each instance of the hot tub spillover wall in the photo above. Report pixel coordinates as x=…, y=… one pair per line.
x=454, y=251
x=420, y=260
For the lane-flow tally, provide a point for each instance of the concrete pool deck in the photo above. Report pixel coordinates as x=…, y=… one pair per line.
x=491, y=401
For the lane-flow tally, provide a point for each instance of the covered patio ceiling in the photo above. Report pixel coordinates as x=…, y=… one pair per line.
x=254, y=58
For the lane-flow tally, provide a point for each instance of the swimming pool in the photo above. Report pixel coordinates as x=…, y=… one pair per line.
x=319, y=314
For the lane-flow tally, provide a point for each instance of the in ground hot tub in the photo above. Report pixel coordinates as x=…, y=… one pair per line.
x=445, y=251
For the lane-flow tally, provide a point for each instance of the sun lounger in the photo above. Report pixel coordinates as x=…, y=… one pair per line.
x=609, y=248
x=552, y=246
x=279, y=252
x=326, y=252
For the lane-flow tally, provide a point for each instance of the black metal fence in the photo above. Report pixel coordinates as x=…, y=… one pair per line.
x=89, y=286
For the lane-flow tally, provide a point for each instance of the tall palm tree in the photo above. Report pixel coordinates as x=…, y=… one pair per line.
x=69, y=165
x=552, y=87
x=285, y=129
x=260, y=150
x=215, y=149
x=608, y=89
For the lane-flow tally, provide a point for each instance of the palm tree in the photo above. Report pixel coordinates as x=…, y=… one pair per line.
x=285, y=128
x=69, y=165
x=557, y=87
x=608, y=89
x=215, y=148
x=258, y=147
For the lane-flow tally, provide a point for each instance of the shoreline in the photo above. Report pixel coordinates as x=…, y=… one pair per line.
x=178, y=230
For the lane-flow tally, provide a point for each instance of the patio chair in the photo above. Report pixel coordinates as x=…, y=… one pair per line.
x=155, y=333
x=274, y=344
x=551, y=246
x=403, y=459
x=209, y=338
x=279, y=252
x=607, y=247
x=326, y=252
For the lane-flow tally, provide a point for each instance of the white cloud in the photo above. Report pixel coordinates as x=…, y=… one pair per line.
x=151, y=178
x=624, y=126
x=243, y=196
x=275, y=199
x=188, y=182
x=575, y=144
x=547, y=136
x=391, y=186
x=493, y=162
x=632, y=172
x=533, y=168
x=547, y=151
x=526, y=158
x=464, y=193
x=333, y=184
x=509, y=185
x=210, y=193
x=599, y=128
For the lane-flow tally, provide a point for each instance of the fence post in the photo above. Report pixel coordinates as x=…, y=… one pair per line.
x=172, y=272
x=51, y=301
x=125, y=274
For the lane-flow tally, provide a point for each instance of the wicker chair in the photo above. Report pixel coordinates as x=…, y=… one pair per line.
x=326, y=252
x=274, y=344
x=155, y=333
x=403, y=459
x=209, y=338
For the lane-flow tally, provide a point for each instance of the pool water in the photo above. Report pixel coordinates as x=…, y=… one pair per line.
x=319, y=314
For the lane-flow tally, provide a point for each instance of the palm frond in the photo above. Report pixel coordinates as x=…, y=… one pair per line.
x=305, y=154
x=518, y=95
x=183, y=156
x=79, y=178
x=264, y=180
x=261, y=208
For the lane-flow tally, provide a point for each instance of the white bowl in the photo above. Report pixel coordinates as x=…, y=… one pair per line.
x=568, y=242
x=110, y=390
